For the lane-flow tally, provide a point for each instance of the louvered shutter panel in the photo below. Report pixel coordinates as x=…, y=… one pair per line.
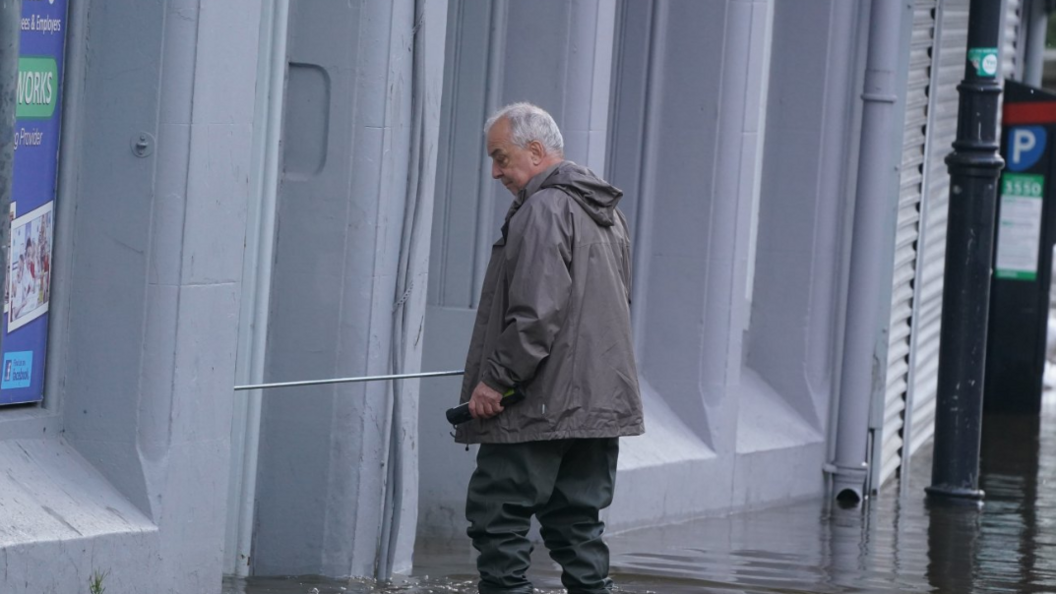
x=1011, y=54
x=906, y=235
x=949, y=62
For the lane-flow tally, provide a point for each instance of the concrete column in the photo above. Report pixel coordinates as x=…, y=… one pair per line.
x=337, y=490
x=797, y=303
x=805, y=181
x=256, y=280
x=693, y=204
x=149, y=299
x=210, y=171
x=586, y=103
x=558, y=54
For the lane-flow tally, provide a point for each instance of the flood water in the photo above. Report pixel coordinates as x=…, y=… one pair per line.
x=896, y=542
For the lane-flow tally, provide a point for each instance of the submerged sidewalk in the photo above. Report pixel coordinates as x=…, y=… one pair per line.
x=896, y=542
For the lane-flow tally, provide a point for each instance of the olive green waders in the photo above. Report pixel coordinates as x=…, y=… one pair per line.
x=565, y=483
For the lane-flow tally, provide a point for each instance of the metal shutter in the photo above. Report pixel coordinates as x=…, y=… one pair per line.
x=1011, y=48
x=948, y=70
x=907, y=231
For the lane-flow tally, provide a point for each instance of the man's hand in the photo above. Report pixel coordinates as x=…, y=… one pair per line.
x=485, y=402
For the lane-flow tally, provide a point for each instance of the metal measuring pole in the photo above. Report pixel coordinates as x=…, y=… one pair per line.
x=975, y=166
x=349, y=380
x=10, y=32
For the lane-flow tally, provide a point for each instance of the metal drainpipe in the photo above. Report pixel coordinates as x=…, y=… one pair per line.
x=392, y=502
x=1037, y=25
x=10, y=15
x=840, y=87
x=864, y=342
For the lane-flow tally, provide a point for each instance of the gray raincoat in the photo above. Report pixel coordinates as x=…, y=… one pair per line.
x=554, y=316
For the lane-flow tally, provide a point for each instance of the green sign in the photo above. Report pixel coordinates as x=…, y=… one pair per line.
x=984, y=59
x=1025, y=185
x=38, y=88
x=1019, y=226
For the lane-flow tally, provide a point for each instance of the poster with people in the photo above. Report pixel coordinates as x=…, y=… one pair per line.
x=29, y=275
x=30, y=241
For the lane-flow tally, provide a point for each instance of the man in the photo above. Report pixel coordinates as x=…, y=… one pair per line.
x=554, y=324
x=23, y=299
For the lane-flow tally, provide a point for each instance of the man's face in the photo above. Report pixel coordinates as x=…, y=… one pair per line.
x=511, y=164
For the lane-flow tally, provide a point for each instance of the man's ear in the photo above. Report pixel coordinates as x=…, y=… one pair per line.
x=538, y=151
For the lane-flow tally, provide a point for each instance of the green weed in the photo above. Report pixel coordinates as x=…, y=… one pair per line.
x=95, y=582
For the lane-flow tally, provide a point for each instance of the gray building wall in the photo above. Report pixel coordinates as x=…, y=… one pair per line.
x=123, y=470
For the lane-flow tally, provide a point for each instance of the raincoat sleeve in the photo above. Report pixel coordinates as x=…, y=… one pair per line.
x=628, y=258
x=538, y=260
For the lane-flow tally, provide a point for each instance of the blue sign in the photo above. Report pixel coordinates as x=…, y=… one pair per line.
x=1025, y=146
x=38, y=111
x=17, y=371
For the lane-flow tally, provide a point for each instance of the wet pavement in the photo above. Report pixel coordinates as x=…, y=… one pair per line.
x=896, y=542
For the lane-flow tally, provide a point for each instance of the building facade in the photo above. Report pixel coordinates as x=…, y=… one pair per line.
x=267, y=191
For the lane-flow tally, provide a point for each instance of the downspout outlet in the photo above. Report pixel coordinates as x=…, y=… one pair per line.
x=849, y=482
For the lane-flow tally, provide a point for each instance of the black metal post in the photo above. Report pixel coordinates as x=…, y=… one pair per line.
x=974, y=166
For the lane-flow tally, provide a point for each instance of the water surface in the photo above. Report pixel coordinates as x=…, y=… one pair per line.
x=896, y=542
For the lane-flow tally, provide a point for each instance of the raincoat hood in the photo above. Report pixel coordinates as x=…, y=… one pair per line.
x=598, y=197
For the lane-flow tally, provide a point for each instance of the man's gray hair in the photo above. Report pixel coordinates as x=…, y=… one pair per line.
x=527, y=123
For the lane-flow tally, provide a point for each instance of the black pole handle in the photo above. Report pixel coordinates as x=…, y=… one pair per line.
x=460, y=414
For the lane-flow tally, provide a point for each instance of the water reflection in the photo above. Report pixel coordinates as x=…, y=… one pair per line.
x=892, y=544
x=953, y=546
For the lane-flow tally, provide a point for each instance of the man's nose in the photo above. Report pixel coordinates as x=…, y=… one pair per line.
x=496, y=173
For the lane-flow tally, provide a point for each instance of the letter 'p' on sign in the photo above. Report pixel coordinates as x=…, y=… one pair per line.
x=1025, y=146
